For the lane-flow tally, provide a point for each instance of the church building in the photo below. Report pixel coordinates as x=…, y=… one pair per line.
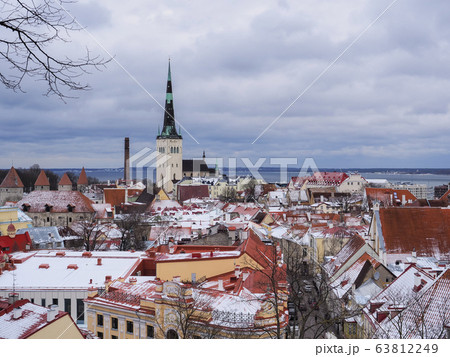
x=171, y=167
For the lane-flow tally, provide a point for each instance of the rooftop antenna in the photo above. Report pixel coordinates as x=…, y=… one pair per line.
x=14, y=283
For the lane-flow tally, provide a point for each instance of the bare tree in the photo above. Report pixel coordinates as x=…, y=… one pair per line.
x=228, y=194
x=132, y=231
x=414, y=315
x=188, y=314
x=29, y=29
x=317, y=309
x=250, y=190
x=271, y=278
x=90, y=233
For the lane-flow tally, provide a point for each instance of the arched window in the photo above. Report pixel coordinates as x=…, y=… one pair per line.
x=178, y=150
x=172, y=334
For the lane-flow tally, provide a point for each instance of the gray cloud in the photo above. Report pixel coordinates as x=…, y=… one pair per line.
x=236, y=66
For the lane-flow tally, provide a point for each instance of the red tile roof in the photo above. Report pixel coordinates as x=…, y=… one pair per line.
x=445, y=197
x=36, y=201
x=12, y=180
x=352, y=247
x=16, y=244
x=328, y=178
x=82, y=180
x=427, y=230
x=114, y=196
x=42, y=180
x=186, y=192
x=388, y=196
x=65, y=180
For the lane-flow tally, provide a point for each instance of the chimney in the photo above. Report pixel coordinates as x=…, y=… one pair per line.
x=12, y=298
x=133, y=281
x=99, y=261
x=17, y=313
x=177, y=279
x=403, y=200
x=414, y=256
x=126, y=164
x=237, y=271
x=52, y=312
x=220, y=285
x=108, y=278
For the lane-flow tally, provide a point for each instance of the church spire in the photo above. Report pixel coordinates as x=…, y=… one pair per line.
x=169, y=130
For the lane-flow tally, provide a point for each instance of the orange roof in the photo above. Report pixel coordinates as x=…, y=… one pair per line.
x=114, y=196
x=386, y=195
x=12, y=179
x=65, y=180
x=427, y=230
x=445, y=196
x=42, y=180
x=82, y=180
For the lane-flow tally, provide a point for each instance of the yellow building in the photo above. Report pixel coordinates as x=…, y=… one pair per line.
x=202, y=294
x=15, y=216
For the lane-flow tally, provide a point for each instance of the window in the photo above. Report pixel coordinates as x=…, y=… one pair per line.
x=114, y=337
x=99, y=320
x=68, y=305
x=70, y=219
x=55, y=301
x=42, y=302
x=130, y=327
x=352, y=329
x=32, y=301
x=48, y=219
x=80, y=311
x=150, y=331
x=114, y=323
x=100, y=334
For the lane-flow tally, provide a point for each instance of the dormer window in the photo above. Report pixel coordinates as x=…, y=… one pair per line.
x=25, y=207
x=48, y=208
x=70, y=207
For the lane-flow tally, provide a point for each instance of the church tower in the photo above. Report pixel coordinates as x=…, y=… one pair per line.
x=169, y=145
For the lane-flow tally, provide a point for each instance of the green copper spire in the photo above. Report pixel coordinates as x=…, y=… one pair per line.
x=169, y=130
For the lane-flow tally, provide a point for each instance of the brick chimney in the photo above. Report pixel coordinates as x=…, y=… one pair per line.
x=126, y=164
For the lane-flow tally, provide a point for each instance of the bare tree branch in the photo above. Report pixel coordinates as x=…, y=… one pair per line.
x=28, y=29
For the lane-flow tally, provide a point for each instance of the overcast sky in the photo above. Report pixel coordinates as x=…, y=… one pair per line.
x=236, y=66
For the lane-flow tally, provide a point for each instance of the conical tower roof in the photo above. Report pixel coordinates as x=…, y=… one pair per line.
x=65, y=180
x=42, y=180
x=12, y=180
x=82, y=180
x=169, y=130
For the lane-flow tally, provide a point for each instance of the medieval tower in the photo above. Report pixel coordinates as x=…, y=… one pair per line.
x=169, y=144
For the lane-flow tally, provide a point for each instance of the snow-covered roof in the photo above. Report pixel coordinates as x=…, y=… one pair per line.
x=51, y=270
x=41, y=235
x=33, y=318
